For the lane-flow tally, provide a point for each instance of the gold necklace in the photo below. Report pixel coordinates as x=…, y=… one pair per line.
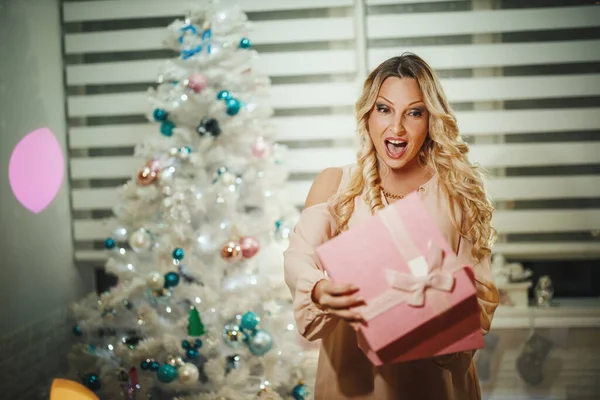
x=398, y=196
x=391, y=195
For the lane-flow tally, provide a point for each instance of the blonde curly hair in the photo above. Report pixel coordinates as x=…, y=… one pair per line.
x=444, y=151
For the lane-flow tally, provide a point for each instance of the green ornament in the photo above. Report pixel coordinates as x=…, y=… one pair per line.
x=195, y=325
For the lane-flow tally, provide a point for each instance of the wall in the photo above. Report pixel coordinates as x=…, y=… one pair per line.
x=39, y=277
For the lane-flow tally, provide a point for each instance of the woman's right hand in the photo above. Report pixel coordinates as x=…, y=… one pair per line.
x=338, y=299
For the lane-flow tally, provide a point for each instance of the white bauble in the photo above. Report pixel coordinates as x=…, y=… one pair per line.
x=227, y=179
x=155, y=281
x=120, y=233
x=140, y=240
x=188, y=374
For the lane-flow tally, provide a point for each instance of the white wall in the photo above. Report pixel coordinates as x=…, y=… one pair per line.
x=38, y=275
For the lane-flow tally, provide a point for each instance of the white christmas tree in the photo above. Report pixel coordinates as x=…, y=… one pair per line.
x=200, y=310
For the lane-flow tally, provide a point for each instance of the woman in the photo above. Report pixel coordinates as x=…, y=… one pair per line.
x=409, y=141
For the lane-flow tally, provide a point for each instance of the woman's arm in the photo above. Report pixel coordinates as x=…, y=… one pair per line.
x=488, y=297
x=302, y=268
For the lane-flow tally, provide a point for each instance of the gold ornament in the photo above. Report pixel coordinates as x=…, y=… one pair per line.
x=161, y=293
x=231, y=251
x=146, y=176
x=175, y=361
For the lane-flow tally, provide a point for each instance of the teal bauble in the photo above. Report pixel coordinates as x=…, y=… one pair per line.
x=245, y=43
x=166, y=373
x=178, y=254
x=233, y=107
x=92, y=381
x=249, y=321
x=300, y=392
x=192, y=353
x=160, y=115
x=171, y=279
x=224, y=95
x=166, y=128
x=77, y=331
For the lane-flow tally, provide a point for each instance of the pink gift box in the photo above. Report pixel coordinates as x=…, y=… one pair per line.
x=420, y=302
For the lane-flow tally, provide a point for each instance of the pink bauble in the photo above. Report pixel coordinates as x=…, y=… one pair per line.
x=250, y=246
x=197, y=82
x=260, y=148
x=154, y=164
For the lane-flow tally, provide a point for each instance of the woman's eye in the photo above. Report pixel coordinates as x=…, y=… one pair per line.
x=415, y=113
x=382, y=109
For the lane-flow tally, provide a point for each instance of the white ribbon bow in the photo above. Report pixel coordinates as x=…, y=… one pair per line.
x=436, y=278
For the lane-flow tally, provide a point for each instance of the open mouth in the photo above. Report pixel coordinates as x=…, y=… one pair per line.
x=395, y=147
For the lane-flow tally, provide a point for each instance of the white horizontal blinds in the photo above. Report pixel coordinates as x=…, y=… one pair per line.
x=113, y=52
x=524, y=79
x=488, y=155
x=104, y=10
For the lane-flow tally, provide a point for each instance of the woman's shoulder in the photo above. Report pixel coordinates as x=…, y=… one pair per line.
x=327, y=183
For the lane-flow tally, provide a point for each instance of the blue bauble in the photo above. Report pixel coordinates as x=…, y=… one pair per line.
x=178, y=254
x=260, y=343
x=224, y=95
x=249, y=321
x=192, y=353
x=145, y=365
x=166, y=128
x=233, y=107
x=166, y=373
x=92, y=382
x=197, y=343
x=109, y=243
x=160, y=115
x=77, y=331
x=245, y=43
x=300, y=392
x=171, y=279
x=185, y=344
x=154, y=366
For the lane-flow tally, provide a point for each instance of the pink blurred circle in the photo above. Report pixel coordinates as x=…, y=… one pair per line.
x=36, y=169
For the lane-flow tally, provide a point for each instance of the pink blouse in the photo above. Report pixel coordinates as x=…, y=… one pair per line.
x=343, y=371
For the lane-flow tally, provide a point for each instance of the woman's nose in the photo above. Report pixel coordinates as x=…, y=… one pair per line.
x=397, y=126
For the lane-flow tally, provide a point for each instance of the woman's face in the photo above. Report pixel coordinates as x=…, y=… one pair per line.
x=399, y=122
